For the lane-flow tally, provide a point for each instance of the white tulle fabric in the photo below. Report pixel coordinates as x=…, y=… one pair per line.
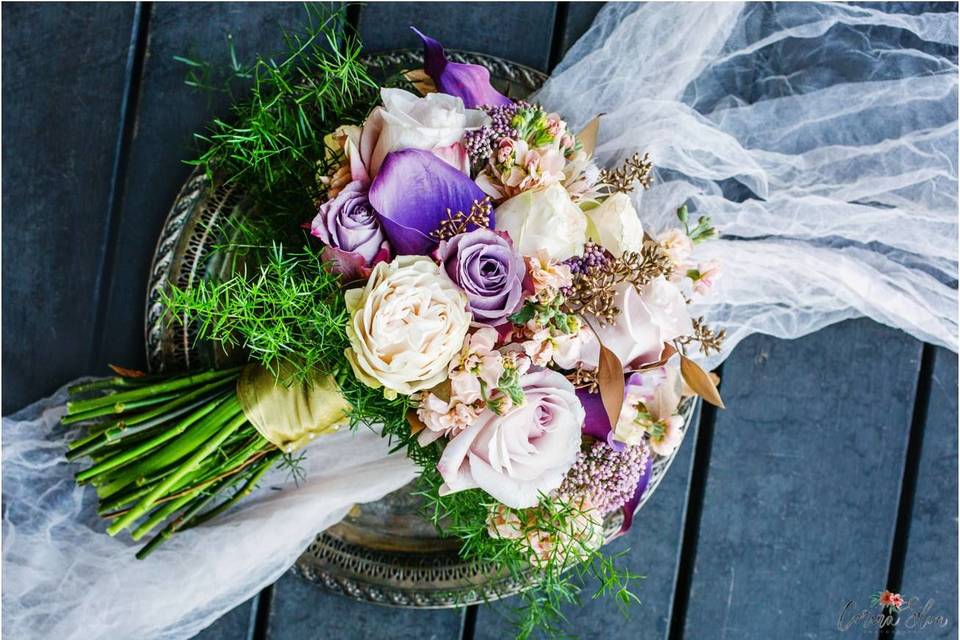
x=64, y=578
x=821, y=139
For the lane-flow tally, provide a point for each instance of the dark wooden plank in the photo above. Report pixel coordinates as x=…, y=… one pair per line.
x=64, y=73
x=301, y=610
x=930, y=568
x=803, y=484
x=235, y=625
x=580, y=16
x=652, y=549
x=169, y=114
x=519, y=31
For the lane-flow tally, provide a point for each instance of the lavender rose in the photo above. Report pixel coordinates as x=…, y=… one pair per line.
x=526, y=451
x=349, y=223
x=490, y=272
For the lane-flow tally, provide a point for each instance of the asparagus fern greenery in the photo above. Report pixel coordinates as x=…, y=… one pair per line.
x=287, y=311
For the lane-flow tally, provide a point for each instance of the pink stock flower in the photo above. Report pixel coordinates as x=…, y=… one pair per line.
x=443, y=419
x=503, y=522
x=705, y=276
x=547, y=275
x=668, y=435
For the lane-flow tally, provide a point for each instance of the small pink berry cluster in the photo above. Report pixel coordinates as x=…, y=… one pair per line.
x=607, y=477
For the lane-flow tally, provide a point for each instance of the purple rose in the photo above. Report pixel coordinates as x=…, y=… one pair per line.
x=489, y=271
x=350, y=224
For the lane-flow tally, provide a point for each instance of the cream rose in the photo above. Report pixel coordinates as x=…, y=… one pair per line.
x=407, y=324
x=615, y=225
x=544, y=220
x=435, y=122
x=527, y=450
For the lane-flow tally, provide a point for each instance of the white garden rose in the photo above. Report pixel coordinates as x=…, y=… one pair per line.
x=405, y=121
x=615, y=225
x=524, y=452
x=544, y=220
x=407, y=324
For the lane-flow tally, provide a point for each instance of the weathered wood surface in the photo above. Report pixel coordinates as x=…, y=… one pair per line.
x=832, y=475
x=61, y=122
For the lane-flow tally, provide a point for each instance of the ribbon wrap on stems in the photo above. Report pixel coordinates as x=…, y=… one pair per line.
x=290, y=415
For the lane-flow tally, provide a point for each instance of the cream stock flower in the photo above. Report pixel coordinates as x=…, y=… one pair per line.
x=407, y=324
x=677, y=245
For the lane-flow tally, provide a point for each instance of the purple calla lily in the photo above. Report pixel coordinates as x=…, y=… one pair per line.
x=596, y=423
x=469, y=82
x=631, y=506
x=412, y=193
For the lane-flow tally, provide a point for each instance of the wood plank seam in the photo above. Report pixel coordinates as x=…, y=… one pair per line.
x=908, y=479
x=260, y=629
x=469, y=627
x=561, y=11
x=693, y=511
x=136, y=55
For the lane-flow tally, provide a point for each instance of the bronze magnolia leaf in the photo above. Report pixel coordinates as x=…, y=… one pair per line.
x=610, y=384
x=700, y=381
x=421, y=81
x=588, y=135
x=416, y=425
x=127, y=373
x=668, y=352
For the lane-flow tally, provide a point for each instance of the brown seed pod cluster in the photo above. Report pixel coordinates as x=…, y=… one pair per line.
x=635, y=169
x=593, y=292
x=460, y=222
x=708, y=339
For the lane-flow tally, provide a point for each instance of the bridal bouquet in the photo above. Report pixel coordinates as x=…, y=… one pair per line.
x=432, y=258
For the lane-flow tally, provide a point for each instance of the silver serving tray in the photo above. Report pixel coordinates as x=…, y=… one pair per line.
x=382, y=552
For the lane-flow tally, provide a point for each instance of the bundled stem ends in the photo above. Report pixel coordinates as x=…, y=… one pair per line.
x=168, y=452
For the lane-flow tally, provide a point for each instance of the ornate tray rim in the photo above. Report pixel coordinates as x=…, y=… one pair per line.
x=420, y=580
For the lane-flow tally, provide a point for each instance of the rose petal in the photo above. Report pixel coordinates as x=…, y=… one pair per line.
x=350, y=264
x=470, y=82
x=412, y=193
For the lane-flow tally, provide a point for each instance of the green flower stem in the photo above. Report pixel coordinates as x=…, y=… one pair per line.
x=236, y=465
x=96, y=441
x=94, y=433
x=126, y=456
x=110, y=383
x=191, y=463
x=167, y=532
x=245, y=491
x=187, y=399
x=120, y=407
x=161, y=388
x=164, y=512
x=110, y=507
x=173, y=451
